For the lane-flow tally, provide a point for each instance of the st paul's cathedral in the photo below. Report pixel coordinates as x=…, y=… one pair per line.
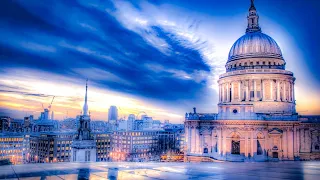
x=257, y=118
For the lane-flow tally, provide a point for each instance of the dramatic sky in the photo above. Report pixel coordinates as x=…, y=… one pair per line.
x=160, y=57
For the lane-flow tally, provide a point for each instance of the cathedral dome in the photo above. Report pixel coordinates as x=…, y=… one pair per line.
x=254, y=44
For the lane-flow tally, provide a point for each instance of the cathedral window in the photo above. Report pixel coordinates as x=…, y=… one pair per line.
x=316, y=147
x=257, y=63
x=263, y=63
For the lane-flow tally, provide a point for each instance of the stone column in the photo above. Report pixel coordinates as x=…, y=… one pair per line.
x=298, y=141
x=224, y=144
x=278, y=90
x=271, y=89
x=232, y=92
x=211, y=143
x=285, y=143
x=293, y=96
x=284, y=91
x=197, y=140
x=247, y=91
x=220, y=95
x=239, y=88
x=262, y=87
x=255, y=90
x=289, y=91
x=252, y=153
x=290, y=144
x=228, y=93
x=246, y=144
x=190, y=136
x=295, y=137
x=194, y=140
x=187, y=137
x=219, y=141
x=201, y=137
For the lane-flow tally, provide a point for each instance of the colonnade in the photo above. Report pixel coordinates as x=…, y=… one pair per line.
x=256, y=90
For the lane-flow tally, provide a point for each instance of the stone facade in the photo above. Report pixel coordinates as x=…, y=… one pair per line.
x=256, y=119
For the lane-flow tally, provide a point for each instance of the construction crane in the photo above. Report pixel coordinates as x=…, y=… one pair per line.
x=49, y=107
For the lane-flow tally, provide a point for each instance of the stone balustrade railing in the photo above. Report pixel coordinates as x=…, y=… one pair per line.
x=256, y=71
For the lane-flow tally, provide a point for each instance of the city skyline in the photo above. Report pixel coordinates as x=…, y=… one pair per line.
x=139, y=58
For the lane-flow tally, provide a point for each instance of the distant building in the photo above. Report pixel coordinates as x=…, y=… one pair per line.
x=27, y=124
x=122, y=125
x=4, y=123
x=130, y=122
x=49, y=147
x=12, y=147
x=156, y=124
x=135, y=145
x=69, y=123
x=45, y=126
x=146, y=145
x=147, y=122
x=112, y=114
x=99, y=126
x=138, y=125
x=83, y=145
x=103, y=145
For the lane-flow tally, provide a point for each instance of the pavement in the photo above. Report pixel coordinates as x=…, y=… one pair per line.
x=163, y=170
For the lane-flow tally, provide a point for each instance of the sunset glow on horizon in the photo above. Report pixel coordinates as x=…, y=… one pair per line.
x=162, y=58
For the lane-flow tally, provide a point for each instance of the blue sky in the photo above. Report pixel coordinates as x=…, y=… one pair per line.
x=161, y=57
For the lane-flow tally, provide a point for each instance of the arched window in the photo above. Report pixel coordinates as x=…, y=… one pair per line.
x=257, y=63
x=316, y=147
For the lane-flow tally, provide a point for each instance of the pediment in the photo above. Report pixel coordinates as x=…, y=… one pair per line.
x=275, y=131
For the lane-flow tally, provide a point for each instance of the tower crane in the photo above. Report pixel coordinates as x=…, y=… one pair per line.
x=49, y=107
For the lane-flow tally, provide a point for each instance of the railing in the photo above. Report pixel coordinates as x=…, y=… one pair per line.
x=256, y=67
x=251, y=116
x=256, y=71
x=201, y=116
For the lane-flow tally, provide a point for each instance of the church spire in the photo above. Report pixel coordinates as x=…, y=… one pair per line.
x=252, y=6
x=85, y=106
x=253, y=19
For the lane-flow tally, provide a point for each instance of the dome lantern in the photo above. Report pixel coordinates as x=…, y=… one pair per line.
x=253, y=19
